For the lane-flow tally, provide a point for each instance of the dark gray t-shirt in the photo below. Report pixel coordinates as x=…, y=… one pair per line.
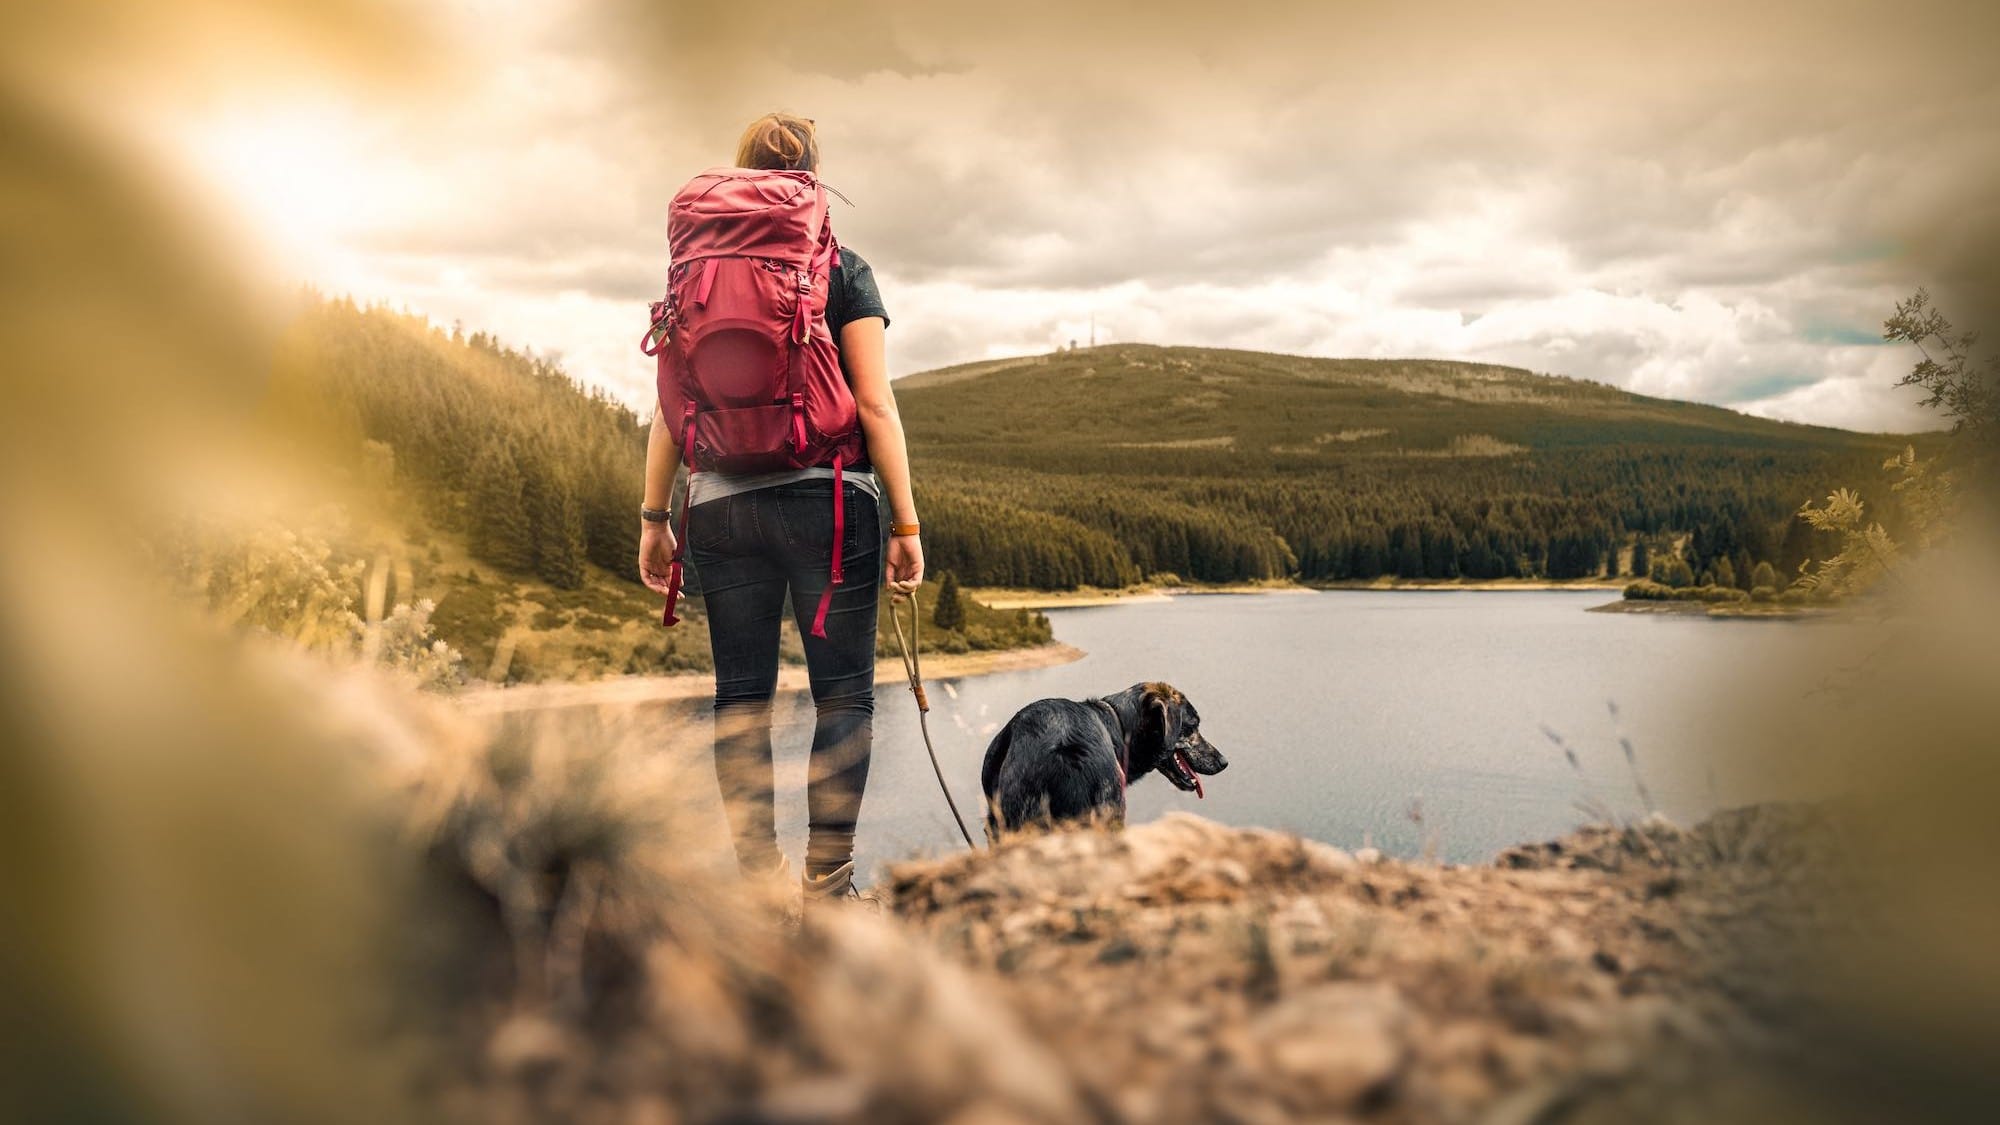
x=850, y=295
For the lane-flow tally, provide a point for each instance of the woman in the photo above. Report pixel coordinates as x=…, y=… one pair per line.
x=755, y=538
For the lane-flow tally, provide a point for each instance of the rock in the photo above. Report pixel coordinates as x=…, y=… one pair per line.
x=1324, y=859
x=806, y=1101
x=530, y=1048
x=1333, y=1045
x=988, y=1113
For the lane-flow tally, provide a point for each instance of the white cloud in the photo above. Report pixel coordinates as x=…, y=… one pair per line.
x=1663, y=208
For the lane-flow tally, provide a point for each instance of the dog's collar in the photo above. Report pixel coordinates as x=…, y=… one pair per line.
x=1117, y=732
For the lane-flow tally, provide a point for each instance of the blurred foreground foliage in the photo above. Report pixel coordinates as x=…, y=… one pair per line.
x=311, y=588
x=1930, y=492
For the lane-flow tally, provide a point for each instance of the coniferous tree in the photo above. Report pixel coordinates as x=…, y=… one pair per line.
x=1740, y=568
x=497, y=529
x=611, y=520
x=1641, y=561
x=948, y=612
x=558, y=524
x=1724, y=574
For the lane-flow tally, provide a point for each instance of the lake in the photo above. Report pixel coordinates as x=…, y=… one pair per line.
x=1414, y=721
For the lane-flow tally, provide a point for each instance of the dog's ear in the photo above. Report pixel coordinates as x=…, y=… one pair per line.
x=1165, y=718
x=1160, y=725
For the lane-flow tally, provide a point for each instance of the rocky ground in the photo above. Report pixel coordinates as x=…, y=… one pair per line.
x=1192, y=972
x=1183, y=971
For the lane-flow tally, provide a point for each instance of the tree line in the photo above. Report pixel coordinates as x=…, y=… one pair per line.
x=539, y=474
x=1560, y=515
x=542, y=476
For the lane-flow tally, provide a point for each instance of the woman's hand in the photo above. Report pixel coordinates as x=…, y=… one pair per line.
x=904, y=568
x=656, y=555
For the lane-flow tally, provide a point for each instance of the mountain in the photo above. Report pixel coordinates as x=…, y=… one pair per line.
x=511, y=489
x=1111, y=464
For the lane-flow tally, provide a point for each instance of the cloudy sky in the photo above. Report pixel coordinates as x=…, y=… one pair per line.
x=1716, y=202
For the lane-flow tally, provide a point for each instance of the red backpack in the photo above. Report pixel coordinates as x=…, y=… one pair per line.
x=748, y=369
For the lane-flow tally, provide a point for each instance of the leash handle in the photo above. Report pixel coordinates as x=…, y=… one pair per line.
x=911, y=647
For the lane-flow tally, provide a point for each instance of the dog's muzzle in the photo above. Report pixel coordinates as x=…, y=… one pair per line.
x=1191, y=759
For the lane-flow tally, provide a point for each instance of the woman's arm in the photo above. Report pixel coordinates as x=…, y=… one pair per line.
x=861, y=353
x=656, y=540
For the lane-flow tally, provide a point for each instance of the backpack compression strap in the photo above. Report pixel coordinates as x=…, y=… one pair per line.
x=839, y=539
x=823, y=263
x=681, y=533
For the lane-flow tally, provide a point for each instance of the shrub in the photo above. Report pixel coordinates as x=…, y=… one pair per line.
x=1647, y=590
x=1725, y=572
x=1673, y=572
x=1764, y=594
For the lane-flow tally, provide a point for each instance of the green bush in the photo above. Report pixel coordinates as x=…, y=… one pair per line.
x=1648, y=590
x=1672, y=571
x=1764, y=594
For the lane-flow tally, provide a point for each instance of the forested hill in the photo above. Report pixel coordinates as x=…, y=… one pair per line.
x=464, y=424
x=509, y=492
x=1108, y=465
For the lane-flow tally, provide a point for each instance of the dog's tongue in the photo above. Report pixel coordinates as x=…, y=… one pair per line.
x=1182, y=759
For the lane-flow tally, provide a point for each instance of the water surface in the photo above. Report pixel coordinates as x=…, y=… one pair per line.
x=1413, y=721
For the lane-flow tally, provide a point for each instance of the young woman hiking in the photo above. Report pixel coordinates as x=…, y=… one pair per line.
x=753, y=538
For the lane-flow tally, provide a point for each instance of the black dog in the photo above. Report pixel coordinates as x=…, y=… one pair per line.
x=1058, y=759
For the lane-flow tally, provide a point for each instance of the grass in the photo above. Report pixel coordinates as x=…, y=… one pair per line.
x=985, y=629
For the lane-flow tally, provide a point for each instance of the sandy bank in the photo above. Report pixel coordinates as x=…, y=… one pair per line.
x=635, y=690
x=1767, y=611
x=1004, y=598
x=1476, y=584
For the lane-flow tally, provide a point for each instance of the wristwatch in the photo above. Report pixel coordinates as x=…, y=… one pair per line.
x=655, y=515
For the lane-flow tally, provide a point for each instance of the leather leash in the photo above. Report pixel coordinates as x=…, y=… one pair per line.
x=913, y=668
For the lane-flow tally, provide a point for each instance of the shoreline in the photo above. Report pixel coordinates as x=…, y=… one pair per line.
x=1016, y=598
x=1725, y=611
x=997, y=597
x=680, y=687
x=1482, y=585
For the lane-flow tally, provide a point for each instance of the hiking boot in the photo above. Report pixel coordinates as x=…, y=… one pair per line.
x=772, y=884
x=836, y=886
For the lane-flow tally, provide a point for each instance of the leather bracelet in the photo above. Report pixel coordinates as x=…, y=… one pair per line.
x=655, y=515
x=904, y=529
